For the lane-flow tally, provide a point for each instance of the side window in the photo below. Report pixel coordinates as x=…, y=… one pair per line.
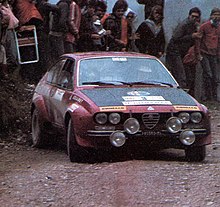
x=53, y=73
x=65, y=79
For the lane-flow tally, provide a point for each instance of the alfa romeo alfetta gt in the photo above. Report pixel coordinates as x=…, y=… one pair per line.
x=107, y=100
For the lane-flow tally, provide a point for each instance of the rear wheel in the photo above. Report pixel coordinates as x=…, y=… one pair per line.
x=38, y=133
x=75, y=152
x=195, y=154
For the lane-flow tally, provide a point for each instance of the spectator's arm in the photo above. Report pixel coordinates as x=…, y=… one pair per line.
x=179, y=35
x=141, y=42
x=163, y=42
x=71, y=20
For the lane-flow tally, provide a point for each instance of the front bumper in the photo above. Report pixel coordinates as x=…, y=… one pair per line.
x=162, y=139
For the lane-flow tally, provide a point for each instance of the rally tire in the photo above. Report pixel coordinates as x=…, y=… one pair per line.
x=195, y=154
x=38, y=131
x=75, y=152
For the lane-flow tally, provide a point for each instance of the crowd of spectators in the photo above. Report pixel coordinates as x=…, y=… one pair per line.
x=85, y=25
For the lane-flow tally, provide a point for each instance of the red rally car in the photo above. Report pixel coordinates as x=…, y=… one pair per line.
x=113, y=99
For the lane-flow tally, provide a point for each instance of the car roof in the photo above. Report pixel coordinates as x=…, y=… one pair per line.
x=83, y=55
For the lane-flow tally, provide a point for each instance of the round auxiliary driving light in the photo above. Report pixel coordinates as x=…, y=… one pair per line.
x=174, y=124
x=187, y=137
x=114, y=118
x=117, y=139
x=101, y=118
x=131, y=126
x=184, y=117
x=196, y=117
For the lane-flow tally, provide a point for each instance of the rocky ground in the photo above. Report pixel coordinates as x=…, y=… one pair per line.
x=45, y=177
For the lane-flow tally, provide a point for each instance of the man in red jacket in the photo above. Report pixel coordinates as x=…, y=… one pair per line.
x=210, y=52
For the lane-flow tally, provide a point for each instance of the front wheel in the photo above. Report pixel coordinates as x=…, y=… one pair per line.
x=195, y=154
x=75, y=152
x=38, y=134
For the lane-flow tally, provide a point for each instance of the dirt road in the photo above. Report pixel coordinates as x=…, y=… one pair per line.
x=33, y=177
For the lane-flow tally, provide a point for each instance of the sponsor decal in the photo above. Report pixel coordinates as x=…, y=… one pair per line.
x=135, y=103
x=59, y=94
x=143, y=98
x=119, y=59
x=132, y=98
x=77, y=99
x=112, y=108
x=73, y=107
x=138, y=93
x=186, y=108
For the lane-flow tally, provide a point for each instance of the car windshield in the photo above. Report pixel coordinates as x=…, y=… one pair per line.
x=123, y=71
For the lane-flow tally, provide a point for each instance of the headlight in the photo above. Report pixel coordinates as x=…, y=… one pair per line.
x=131, y=126
x=101, y=118
x=196, y=117
x=114, y=118
x=184, y=117
x=117, y=139
x=174, y=124
x=187, y=137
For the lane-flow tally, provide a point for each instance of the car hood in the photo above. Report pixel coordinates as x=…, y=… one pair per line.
x=139, y=96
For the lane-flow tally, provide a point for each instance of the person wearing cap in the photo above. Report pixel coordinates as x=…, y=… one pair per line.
x=210, y=53
x=184, y=37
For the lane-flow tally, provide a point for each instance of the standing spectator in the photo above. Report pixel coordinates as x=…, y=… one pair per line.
x=132, y=35
x=86, y=32
x=10, y=46
x=116, y=23
x=74, y=24
x=100, y=9
x=4, y=22
x=59, y=29
x=8, y=23
x=98, y=29
x=149, y=4
x=183, y=38
x=45, y=9
x=27, y=12
x=210, y=52
x=152, y=40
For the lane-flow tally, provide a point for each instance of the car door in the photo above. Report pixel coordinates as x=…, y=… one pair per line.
x=53, y=74
x=62, y=91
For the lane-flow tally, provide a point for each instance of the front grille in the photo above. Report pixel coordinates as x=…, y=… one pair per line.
x=150, y=120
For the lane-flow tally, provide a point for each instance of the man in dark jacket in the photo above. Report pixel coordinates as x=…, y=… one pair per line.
x=86, y=34
x=46, y=9
x=183, y=38
x=59, y=29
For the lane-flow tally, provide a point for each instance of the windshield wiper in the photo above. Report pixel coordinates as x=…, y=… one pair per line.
x=100, y=83
x=127, y=83
x=151, y=83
